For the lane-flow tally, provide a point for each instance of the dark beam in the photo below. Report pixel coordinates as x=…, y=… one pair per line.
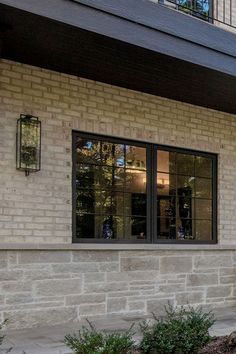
x=144, y=24
x=55, y=45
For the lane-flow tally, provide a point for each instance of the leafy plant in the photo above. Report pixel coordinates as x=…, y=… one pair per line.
x=91, y=341
x=1, y=327
x=2, y=336
x=182, y=331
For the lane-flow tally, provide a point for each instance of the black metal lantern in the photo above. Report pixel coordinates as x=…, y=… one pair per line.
x=28, y=144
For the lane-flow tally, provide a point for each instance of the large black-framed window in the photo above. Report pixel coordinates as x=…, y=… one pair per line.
x=129, y=191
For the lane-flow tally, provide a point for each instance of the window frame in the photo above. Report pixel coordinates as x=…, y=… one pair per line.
x=151, y=158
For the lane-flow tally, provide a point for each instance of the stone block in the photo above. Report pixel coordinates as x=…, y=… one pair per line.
x=31, y=275
x=171, y=288
x=202, y=279
x=85, y=299
x=133, y=276
x=142, y=285
x=2, y=299
x=105, y=287
x=39, y=317
x=228, y=280
x=219, y=291
x=3, y=259
x=175, y=265
x=190, y=298
x=228, y=271
x=157, y=306
x=95, y=256
x=56, y=287
x=94, y=277
x=139, y=263
x=108, y=266
x=215, y=261
x=92, y=310
x=116, y=305
x=12, y=257
x=8, y=275
x=26, y=257
x=84, y=267
x=16, y=287
x=19, y=298
x=137, y=306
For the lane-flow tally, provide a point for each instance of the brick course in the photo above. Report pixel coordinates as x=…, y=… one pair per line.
x=37, y=209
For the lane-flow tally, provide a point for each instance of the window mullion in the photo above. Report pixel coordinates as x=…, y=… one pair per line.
x=154, y=194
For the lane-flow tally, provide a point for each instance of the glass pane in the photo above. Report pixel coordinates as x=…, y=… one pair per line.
x=166, y=207
x=185, y=164
x=185, y=207
x=109, y=227
x=109, y=203
x=87, y=176
x=203, y=209
x=30, y=144
x=185, y=186
x=166, y=184
x=166, y=228
x=166, y=161
x=111, y=178
x=100, y=177
x=203, y=230
x=85, y=224
x=203, y=188
x=97, y=152
x=135, y=228
x=203, y=167
x=185, y=229
x=135, y=157
x=88, y=151
x=138, y=204
x=112, y=154
x=135, y=181
x=86, y=201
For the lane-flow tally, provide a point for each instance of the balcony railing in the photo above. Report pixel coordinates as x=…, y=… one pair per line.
x=219, y=12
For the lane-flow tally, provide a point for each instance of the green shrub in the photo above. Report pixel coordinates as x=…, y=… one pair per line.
x=91, y=341
x=1, y=327
x=182, y=331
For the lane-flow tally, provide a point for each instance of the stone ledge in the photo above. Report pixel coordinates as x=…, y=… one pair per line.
x=111, y=247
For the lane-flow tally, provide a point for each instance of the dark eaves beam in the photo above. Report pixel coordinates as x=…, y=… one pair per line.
x=146, y=25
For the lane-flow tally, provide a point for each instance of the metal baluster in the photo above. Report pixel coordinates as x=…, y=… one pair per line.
x=224, y=11
x=231, y=13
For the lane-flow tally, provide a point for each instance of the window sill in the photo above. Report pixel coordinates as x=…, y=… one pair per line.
x=112, y=247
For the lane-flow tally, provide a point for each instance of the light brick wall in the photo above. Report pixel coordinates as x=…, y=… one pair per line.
x=37, y=209
x=50, y=287
x=53, y=287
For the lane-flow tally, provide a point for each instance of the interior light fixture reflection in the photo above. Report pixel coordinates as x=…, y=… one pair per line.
x=161, y=182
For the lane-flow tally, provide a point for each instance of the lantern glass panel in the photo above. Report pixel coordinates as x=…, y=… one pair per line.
x=28, y=144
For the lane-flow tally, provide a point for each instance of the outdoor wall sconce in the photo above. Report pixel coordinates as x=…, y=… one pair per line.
x=28, y=144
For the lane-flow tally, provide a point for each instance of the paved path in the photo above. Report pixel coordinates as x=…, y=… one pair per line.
x=49, y=340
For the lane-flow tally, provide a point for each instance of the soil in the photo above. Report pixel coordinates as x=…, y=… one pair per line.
x=218, y=345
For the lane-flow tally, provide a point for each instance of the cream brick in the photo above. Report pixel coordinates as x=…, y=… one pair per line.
x=37, y=209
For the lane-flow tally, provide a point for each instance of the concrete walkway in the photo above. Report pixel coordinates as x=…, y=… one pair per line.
x=49, y=340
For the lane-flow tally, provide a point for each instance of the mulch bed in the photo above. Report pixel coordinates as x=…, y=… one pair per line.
x=218, y=345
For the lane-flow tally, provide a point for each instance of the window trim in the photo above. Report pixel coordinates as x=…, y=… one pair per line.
x=151, y=156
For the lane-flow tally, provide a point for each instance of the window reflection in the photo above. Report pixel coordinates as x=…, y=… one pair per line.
x=183, y=199
x=113, y=192
x=111, y=183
